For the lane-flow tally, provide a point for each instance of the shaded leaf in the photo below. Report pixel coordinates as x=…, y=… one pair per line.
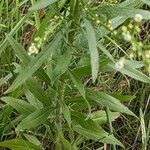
x=33, y=100
x=34, y=64
x=25, y=58
x=18, y=144
x=133, y=73
x=36, y=118
x=21, y=106
x=66, y=113
x=34, y=87
x=32, y=139
x=113, y=11
x=108, y=101
x=62, y=66
x=101, y=117
x=91, y=129
x=42, y=4
x=4, y=45
x=123, y=98
x=78, y=83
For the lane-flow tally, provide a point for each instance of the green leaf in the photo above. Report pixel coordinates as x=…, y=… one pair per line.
x=78, y=83
x=84, y=71
x=34, y=87
x=66, y=143
x=25, y=58
x=135, y=64
x=41, y=4
x=32, y=139
x=105, y=51
x=133, y=73
x=113, y=11
x=101, y=118
x=123, y=98
x=19, y=50
x=5, y=79
x=36, y=118
x=14, y=122
x=93, y=49
x=146, y=2
x=108, y=101
x=4, y=45
x=91, y=129
x=62, y=66
x=21, y=106
x=66, y=113
x=78, y=103
x=33, y=100
x=34, y=64
x=18, y=144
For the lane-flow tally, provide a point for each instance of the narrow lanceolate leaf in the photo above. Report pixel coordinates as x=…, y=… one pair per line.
x=32, y=139
x=33, y=100
x=106, y=52
x=113, y=11
x=34, y=87
x=25, y=58
x=34, y=64
x=146, y=2
x=66, y=113
x=4, y=45
x=133, y=73
x=92, y=48
x=21, y=106
x=108, y=101
x=62, y=65
x=5, y=79
x=19, y=144
x=101, y=117
x=36, y=118
x=78, y=84
x=42, y=4
x=19, y=50
x=91, y=129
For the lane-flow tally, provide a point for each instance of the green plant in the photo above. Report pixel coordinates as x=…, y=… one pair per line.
x=59, y=89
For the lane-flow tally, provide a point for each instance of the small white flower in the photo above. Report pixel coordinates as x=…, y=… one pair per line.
x=109, y=22
x=86, y=9
x=33, y=49
x=147, y=54
x=111, y=28
x=124, y=29
x=138, y=18
x=130, y=26
x=119, y=64
x=97, y=21
x=137, y=29
x=127, y=36
x=131, y=55
x=37, y=39
x=115, y=32
x=96, y=15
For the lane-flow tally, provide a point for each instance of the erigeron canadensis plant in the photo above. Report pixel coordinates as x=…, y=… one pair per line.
x=61, y=91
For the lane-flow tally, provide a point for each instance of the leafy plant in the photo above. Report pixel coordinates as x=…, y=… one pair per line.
x=58, y=97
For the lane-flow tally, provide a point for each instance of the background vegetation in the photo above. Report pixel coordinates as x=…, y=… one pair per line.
x=74, y=74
